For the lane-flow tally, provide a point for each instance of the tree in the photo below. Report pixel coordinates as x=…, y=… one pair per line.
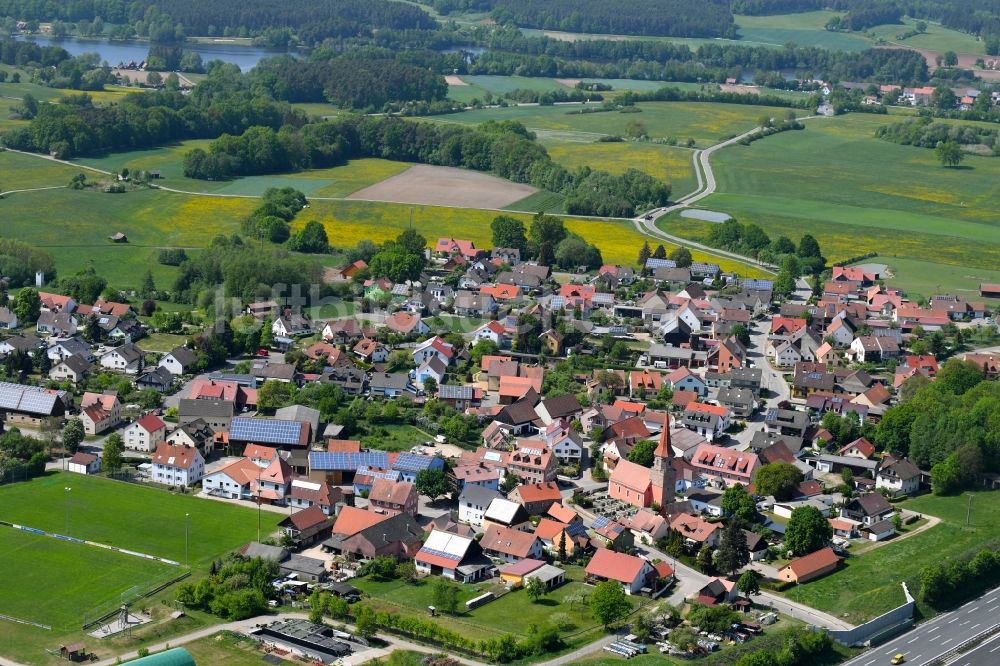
x=111, y=460
x=642, y=453
x=311, y=238
x=27, y=305
x=274, y=394
x=635, y=129
x=732, y=553
x=508, y=232
x=738, y=503
x=148, y=289
x=444, y=595
x=644, y=254
x=778, y=479
x=72, y=435
x=535, y=588
x=808, y=246
x=807, y=531
x=267, y=334
x=950, y=59
x=561, y=547
x=949, y=153
x=546, y=229
x=382, y=567
x=406, y=571
x=433, y=483
x=682, y=256
x=741, y=333
x=748, y=584
x=704, y=559
x=365, y=621
x=154, y=79
x=609, y=603
x=660, y=252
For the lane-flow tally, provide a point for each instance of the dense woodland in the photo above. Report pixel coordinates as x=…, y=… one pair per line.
x=505, y=149
x=924, y=133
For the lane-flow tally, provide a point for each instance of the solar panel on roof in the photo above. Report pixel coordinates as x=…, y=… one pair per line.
x=10, y=396
x=600, y=522
x=412, y=462
x=347, y=460
x=441, y=553
x=37, y=402
x=266, y=431
x=660, y=263
x=750, y=283
x=557, y=302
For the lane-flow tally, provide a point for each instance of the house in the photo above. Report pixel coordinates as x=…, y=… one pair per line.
x=304, y=493
x=648, y=526
x=391, y=385
x=552, y=342
x=100, y=412
x=371, y=351
x=405, y=323
x=158, y=379
x=510, y=545
x=874, y=349
x=859, y=448
x=477, y=475
x=474, y=501
x=718, y=591
x=532, y=462
x=810, y=567
x=757, y=545
x=536, y=498
x=61, y=324
x=898, y=475
x=880, y=531
x=696, y=530
x=392, y=497
x=460, y=398
x=786, y=422
x=634, y=573
x=397, y=536
x=272, y=483
x=740, y=402
x=505, y=513
x=62, y=349
x=564, y=442
x=727, y=465
x=218, y=414
x=433, y=368
x=452, y=556
x=8, y=320
x=682, y=379
x=570, y=537
x=867, y=509
x=196, y=434
x=613, y=535
x=704, y=500
x=493, y=331
x=127, y=359
x=233, y=481
x=291, y=325
x=709, y=421
x=83, y=463
x=72, y=368
x=306, y=527
x=145, y=434
x=433, y=347
x=56, y=302
x=177, y=465
x=559, y=407
x=179, y=361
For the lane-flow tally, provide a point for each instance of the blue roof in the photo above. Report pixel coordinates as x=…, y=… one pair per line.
x=265, y=431
x=347, y=461
x=411, y=462
x=600, y=522
x=660, y=263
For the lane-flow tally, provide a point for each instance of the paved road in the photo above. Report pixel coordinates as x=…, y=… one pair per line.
x=936, y=637
x=987, y=654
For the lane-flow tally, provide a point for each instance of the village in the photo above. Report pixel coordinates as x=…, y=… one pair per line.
x=669, y=428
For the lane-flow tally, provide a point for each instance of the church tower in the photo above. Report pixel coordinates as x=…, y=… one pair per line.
x=662, y=476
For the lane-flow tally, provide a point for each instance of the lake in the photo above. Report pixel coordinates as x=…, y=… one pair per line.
x=246, y=57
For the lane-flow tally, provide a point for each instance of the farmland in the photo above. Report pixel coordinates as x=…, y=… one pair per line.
x=59, y=581
x=869, y=584
x=809, y=181
x=804, y=29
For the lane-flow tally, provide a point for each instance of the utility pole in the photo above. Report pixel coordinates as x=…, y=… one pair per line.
x=187, y=523
x=67, y=489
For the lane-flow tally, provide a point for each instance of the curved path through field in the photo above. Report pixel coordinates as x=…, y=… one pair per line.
x=707, y=186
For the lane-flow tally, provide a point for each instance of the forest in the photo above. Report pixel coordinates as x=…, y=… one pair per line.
x=348, y=82
x=505, y=149
x=311, y=20
x=924, y=133
x=674, y=18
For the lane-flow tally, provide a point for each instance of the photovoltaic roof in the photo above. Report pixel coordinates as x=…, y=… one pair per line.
x=411, y=462
x=347, y=460
x=26, y=398
x=265, y=431
x=660, y=263
x=749, y=283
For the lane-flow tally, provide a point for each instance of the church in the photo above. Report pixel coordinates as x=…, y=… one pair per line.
x=642, y=486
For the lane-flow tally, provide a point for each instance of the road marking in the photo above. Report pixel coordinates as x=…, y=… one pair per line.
x=973, y=627
x=995, y=649
x=952, y=620
x=972, y=610
x=871, y=662
x=992, y=608
x=913, y=640
x=965, y=623
x=933, y=630
x=947, y=641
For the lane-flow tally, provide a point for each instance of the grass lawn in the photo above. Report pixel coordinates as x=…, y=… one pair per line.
x=394, y=437
x=809, y=181
x=225, y=648
x=161, y=342
x=926, y=278
x=869, y=584
x=937, y=37
x=512, y=613
x=23, y=172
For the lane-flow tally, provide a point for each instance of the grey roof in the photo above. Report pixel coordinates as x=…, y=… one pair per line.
x=24, y=343
x=257, y=549
x=74, y=346
x=129, y=352
x=301, y=414
x=735, y=396
x=390, y=380
x=209, y=408
x=872, y=504
x=6, y=316
x=76, y=364
x=478, y=495
x=184, y=356
x=30, y=399
x=401, y=527
x=309, y=565
x=157, y=375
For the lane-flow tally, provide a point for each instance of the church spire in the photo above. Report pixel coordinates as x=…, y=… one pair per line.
x=664, y=449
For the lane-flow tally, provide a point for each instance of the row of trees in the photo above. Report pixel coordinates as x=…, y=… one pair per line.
x=924, y=133
x=504, y=148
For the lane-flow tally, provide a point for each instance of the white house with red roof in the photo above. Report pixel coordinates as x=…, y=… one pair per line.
x=177, y=465
x=145, y=434
x=682, y=379
x=232, y=481
x=56, y=302
x=634, y=573
x=728, y=465
x=709, y=421
x=449, y=246
x=273, y=483
x=100, y=412
x=433, y=347
x=492, y=331
x=406, y=323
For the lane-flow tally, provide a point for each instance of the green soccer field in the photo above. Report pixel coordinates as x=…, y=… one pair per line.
x=131, y=516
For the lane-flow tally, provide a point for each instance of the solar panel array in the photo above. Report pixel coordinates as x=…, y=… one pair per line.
x=390, y=474
x=347, y=460
x=441, y=553
x=557, y=302
x=411, y=462
x=660, y=263
x=453, y=392
x=26, y=398
x=603, y=299
x=600, y=522
x=703, y=267
x=750, y=283
x=265, y=431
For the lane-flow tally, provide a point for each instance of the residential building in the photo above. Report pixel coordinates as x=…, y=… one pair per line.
x=536, y=498
x=72, y=368
x=868, y=509
x=127, y=359
x=473, y=503
x=83, y=463
x=898, y=475
x=177, y=465
x=456, y=557
x=392, y=497
x=727, y=465
x=709, y=421
x=306, y=527
x=100, y=412
x=145, y=434
x=510, y=545
x=634, y=573
x=532, y=464
x=810, y=567
x=179, y=361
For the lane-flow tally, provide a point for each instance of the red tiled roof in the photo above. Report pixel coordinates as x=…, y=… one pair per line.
x=508, y=541
x=151, y=423
x=178, y=456
x=352, y=520
x=537, y=492
x=810, y=564
x=615, y=566
x=391, y=492
x=343, y=445
x=260, y=452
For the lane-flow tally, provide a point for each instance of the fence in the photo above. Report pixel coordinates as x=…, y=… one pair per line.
x=883, y=626
x=101, y=613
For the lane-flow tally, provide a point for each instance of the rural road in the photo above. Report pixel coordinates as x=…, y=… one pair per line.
x=930, y=640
